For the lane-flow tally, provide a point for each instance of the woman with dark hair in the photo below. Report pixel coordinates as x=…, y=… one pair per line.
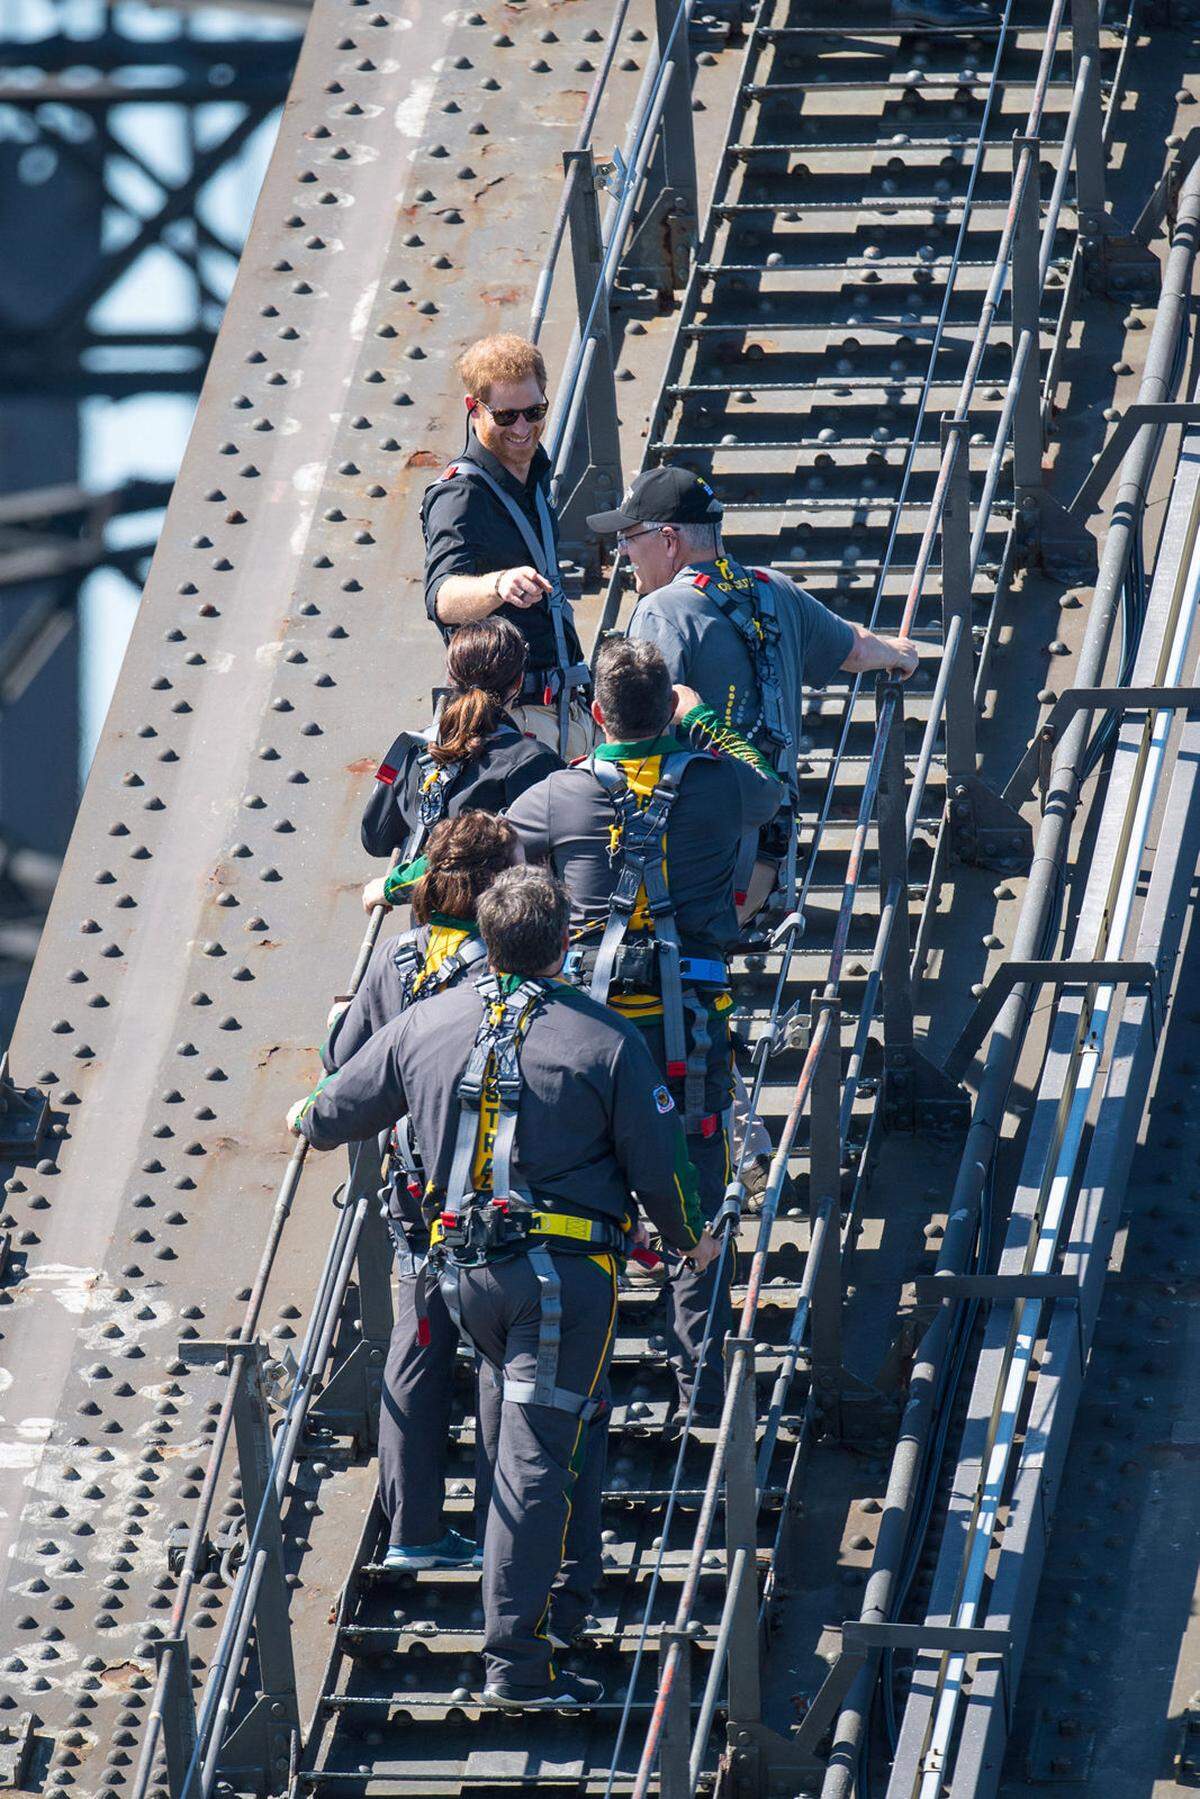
x=463, y=857
x=472, y=757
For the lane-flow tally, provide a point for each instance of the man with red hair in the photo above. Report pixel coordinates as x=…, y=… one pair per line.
x=491, y=538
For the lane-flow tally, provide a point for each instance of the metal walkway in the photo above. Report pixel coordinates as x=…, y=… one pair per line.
x=874, y=313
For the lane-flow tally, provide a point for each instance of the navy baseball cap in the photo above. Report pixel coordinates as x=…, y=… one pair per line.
x=661, y=496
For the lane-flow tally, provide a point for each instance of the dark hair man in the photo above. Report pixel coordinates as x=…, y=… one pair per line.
x=748, y=640
x=540, y=1114
x=491, y=544
x=644, y=834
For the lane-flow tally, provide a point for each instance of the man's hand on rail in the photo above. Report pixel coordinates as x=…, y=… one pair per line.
x=373, y=895
x=873, y=654
x=905, y=656
x=295, y=1113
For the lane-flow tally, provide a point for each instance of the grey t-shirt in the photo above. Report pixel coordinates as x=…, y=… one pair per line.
x=704, y=649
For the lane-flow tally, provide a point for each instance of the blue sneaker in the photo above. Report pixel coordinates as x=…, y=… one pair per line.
x=450, y=1551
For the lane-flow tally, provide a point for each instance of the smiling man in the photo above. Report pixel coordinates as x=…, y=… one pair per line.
x=491, y=539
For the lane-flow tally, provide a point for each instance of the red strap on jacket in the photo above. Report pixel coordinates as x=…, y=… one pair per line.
x=760, y=574
x=701, y=581
x=386, y=773
x=451, y=468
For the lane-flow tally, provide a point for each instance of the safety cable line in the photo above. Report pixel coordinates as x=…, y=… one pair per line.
x=1025, y=171
x=914, y=445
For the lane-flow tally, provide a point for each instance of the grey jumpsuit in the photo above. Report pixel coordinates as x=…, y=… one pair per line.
x=594, y=1125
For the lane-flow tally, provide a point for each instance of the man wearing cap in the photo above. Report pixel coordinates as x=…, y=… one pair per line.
x=748, y=640
x=491, y=542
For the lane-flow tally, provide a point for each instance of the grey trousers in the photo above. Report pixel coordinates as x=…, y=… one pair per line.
x=414, y=1418
x=689, y=1295
x=541, y=1555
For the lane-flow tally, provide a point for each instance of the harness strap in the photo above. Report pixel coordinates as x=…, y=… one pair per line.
x=498, y=1039
x=642, y=833
x=753, y=613
x=544, y=557
x=544, y=1389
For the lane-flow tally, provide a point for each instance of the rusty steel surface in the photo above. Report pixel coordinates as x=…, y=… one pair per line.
x=208, y=904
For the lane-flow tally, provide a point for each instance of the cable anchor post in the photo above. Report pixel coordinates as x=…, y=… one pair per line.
x=590, y=479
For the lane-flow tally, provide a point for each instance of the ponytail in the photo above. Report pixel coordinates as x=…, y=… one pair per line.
x=484, y=663
x=463, y=857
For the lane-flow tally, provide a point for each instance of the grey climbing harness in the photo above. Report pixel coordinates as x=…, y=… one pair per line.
x=754, y=615
x=569, y=675
x=641, y=840
x=477, y=1226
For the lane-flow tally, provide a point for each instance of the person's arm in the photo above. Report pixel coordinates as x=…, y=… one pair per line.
x=760, y=791
x=529, y=816
x=651, y=1148
x=354, y=1024
x=384, y=826
x=871, y=653
x=465, y=599
x=364, y=1097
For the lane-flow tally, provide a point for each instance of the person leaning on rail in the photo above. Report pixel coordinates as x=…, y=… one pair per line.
x=644, y=834
x=473, y=755
x=541, y=1115
x=491, y=538
x=748, y=640
x=464, y=856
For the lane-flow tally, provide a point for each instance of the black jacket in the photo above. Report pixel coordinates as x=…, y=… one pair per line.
x=509, y=764
x=468, y=532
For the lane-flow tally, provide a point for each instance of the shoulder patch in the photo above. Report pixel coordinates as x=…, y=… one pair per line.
x=701, y=581
x=663, y=1101
x=385, y=772
x=760, y=574
x=451, y=468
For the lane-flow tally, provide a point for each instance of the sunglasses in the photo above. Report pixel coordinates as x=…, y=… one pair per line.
x=508, y=415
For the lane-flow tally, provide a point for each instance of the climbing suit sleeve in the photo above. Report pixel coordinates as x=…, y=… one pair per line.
x=760, y=790
x=384, y=825
x=704, y=731
x=529, y=817
x=364, y=1097
x=651, y=1147
x=354, y=1028
x=399, y=882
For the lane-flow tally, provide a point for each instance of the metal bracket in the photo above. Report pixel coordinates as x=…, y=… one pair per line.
x=1049, y=534
x=1164, y=195
x=1037, y=758
x=860, y=1639
x=1131, y=421
x=985, y=829
x=23, y=1115
x=260, y=1746
x=758, y=1761
x=1117, y=263
x=16, y=1742
x=918, y=1095
x=1085, y=971
x=613, y=175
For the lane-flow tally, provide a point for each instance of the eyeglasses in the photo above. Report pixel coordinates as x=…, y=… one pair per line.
x=625, y=538
x=508, y=415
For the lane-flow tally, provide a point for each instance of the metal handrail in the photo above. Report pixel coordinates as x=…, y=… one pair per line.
x=821, y=1043
x=331, y=1291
